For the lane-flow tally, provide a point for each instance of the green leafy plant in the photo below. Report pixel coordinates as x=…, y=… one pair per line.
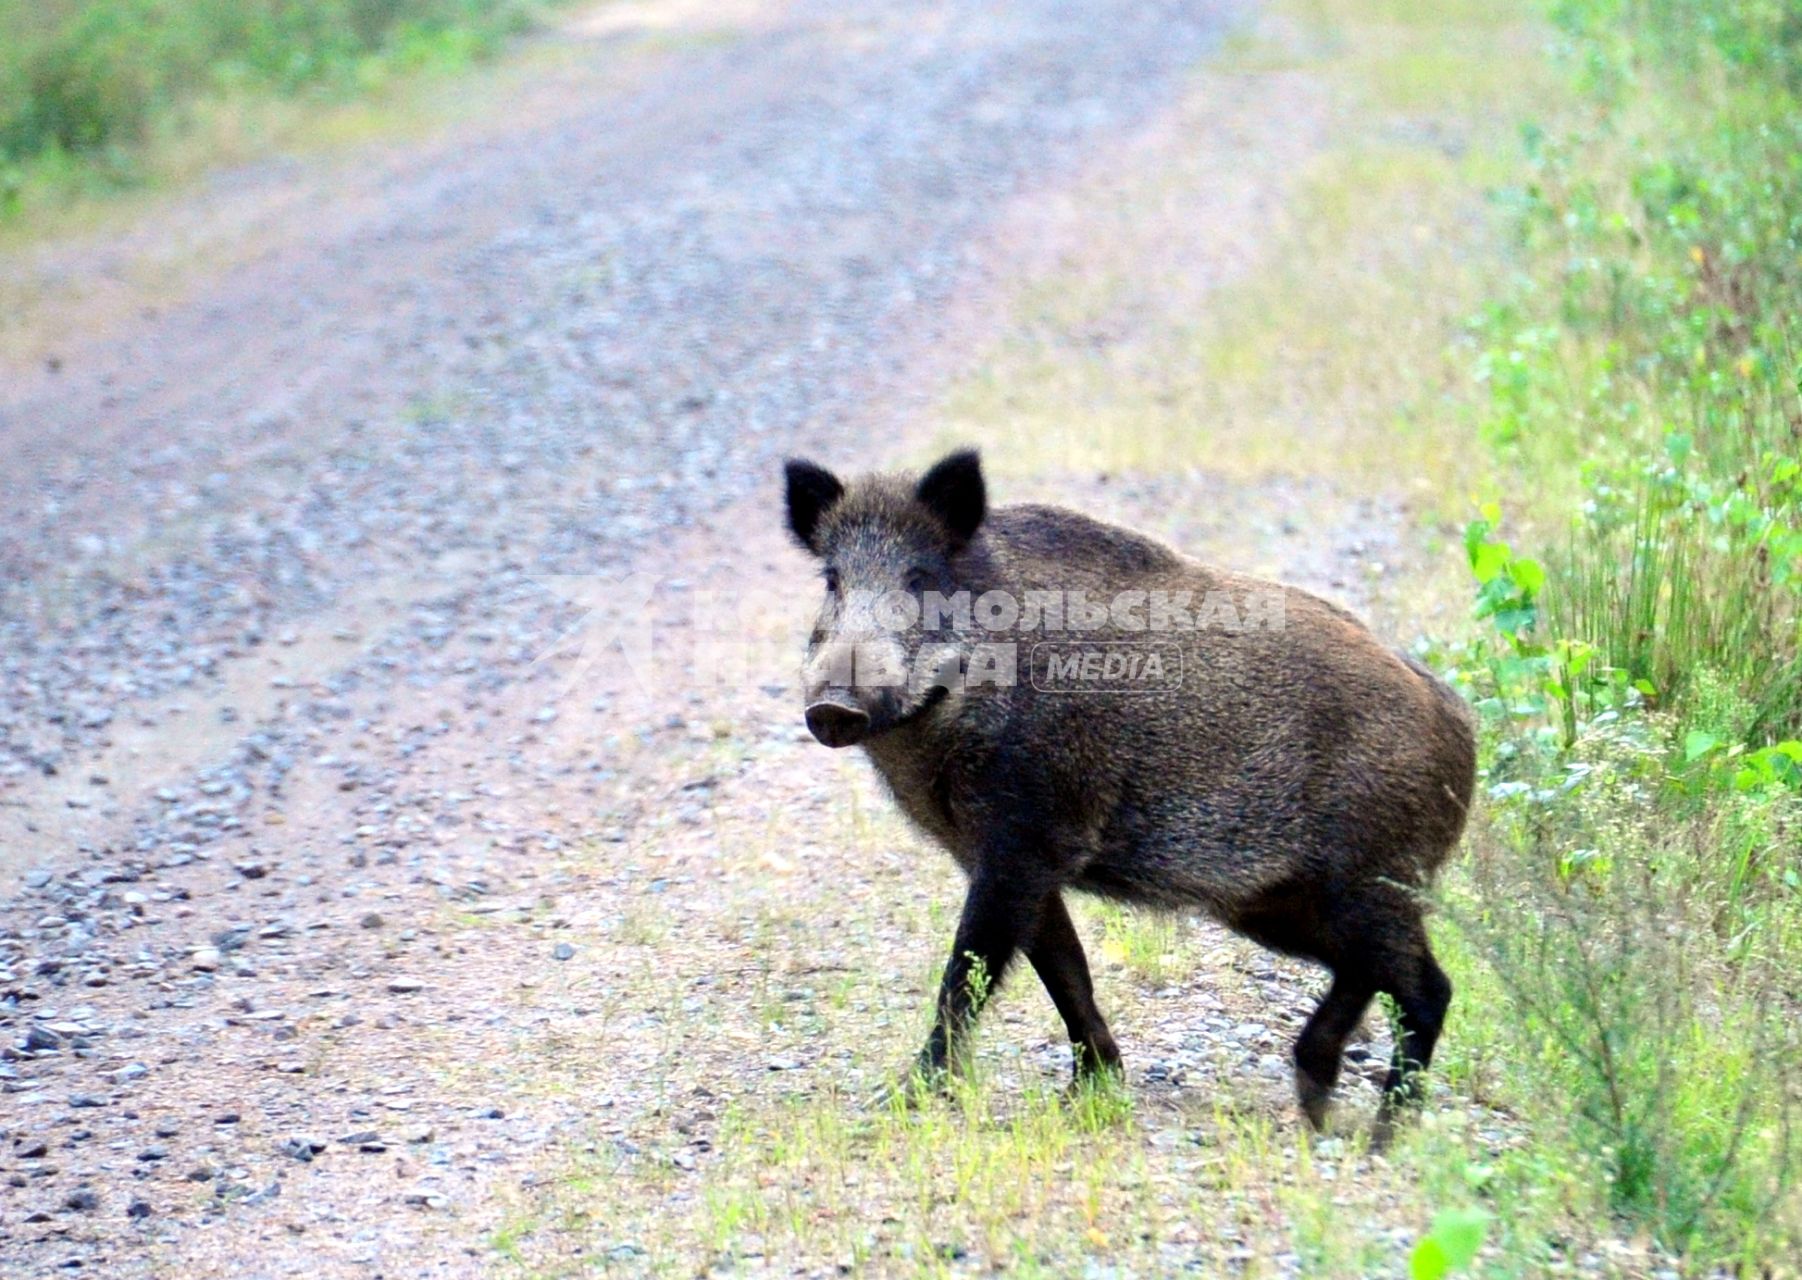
x=1451, y=1245
x=1531, y=677
x=1640, y=671
x=94, y=80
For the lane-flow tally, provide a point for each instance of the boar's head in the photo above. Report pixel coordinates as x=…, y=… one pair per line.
x=884, y=651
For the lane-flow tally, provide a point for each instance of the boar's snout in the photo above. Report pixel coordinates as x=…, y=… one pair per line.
x=851, y=686
x=836, y=724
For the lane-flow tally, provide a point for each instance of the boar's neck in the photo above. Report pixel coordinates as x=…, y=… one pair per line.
x=924, y=762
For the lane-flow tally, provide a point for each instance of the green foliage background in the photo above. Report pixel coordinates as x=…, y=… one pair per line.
x=1635, y=894
x=82, y=77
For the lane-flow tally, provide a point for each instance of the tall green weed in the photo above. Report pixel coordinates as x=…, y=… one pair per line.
x=1635, y=884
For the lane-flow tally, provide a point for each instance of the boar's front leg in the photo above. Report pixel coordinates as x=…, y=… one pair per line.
x=1056, y=953
x=1001, y=914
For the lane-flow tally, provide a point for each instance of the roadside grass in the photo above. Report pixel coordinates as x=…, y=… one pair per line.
x=1338, y=351
x=1637, y=660
x=100, y=97
x=61, y=195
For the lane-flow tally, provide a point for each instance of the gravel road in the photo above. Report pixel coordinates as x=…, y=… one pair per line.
x=282, y=559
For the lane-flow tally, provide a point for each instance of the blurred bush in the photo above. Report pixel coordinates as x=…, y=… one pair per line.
x=84, y=76
x=1637, y=887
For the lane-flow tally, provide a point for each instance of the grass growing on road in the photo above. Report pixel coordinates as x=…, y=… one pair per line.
x=1117, y=363
x=1337, y=352
x=797, y=1168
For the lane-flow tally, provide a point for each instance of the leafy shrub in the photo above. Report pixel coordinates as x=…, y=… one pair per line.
x=1650, y=976
x=1654, y=354
x=1636, y=888
x=1451, y=1245
x=81, y=76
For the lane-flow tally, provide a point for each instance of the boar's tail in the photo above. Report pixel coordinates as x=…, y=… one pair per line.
x=1449, y=696
x=1457, y=763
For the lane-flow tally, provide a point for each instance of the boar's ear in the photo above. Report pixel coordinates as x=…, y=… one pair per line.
x=954, y=492
x=811, y=492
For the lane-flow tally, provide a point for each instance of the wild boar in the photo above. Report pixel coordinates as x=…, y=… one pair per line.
x=1066, y=704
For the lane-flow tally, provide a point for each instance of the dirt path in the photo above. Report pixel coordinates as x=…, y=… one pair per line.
x=362, y=889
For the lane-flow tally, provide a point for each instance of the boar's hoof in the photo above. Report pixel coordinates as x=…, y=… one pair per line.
x=912, y=1089
x=837, y=725
x=1315, y=1097
x=1396, y=1107
x=1101, y=1059
x=1097, y=1084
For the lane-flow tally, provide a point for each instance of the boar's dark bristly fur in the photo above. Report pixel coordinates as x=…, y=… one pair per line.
x=1300, y=782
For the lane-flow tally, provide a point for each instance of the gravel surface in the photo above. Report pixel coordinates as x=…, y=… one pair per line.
x=290, y=787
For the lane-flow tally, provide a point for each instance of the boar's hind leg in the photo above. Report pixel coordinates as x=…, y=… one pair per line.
x=1321, y=1044
x=1056, y=953
x=1422, y=994
x=1372, y=943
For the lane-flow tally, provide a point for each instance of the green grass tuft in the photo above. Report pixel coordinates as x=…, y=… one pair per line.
x=86, y=87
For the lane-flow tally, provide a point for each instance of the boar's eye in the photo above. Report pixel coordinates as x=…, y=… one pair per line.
x=831, y=576
x=918, y=580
